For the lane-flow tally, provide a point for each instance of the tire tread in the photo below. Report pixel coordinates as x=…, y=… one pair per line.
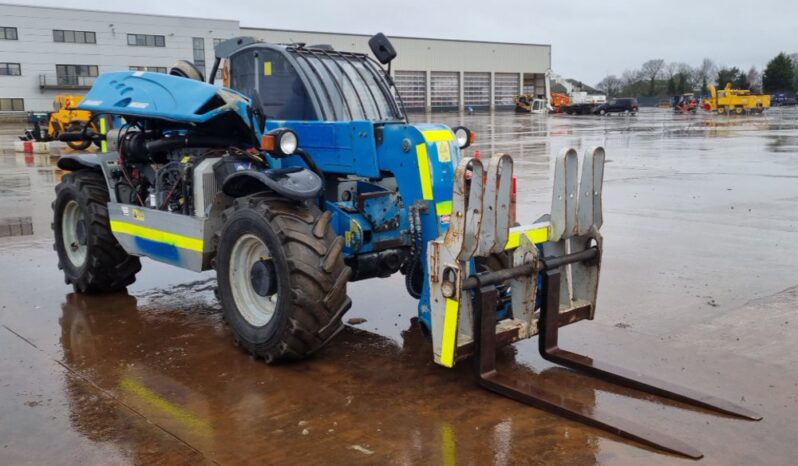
x=108, y=267
x=315, y=261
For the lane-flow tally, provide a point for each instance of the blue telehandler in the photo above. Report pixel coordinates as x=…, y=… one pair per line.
x=303, y=173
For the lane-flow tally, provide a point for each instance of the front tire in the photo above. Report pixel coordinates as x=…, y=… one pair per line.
x=88, y=253
x=282, y=278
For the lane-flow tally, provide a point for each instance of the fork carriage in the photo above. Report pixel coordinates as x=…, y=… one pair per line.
x=480, y=227
x=552, y=282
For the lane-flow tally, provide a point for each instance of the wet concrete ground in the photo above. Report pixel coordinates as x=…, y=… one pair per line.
x=699, y=286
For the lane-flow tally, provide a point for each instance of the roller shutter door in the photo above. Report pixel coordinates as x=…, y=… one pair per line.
x=505, y=87
x=445, y=90
x=412, y=87
x=476, y=90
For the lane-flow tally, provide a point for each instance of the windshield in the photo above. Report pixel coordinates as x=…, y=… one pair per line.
x=347, y=86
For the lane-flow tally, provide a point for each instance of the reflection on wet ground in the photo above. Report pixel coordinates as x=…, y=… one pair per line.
x=699, y=287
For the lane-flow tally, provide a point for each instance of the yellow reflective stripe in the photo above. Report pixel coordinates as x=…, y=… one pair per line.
x=423, y=171
x=185, y=242
x=434, y=135
x=443, y=208
x=536, y=235
x=178, y=413
x=103, y=130
x=448, y=445
x=450, y=316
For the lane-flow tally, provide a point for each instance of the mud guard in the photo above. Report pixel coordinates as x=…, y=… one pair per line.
x=79, y=162
x=294, y=183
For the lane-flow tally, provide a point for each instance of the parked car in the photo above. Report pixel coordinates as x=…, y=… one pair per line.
x=627, y=105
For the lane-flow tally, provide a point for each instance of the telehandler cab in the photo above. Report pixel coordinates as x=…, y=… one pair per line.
x=302, y=174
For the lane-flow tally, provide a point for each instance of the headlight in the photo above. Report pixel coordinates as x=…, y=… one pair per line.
x=280, y=142
x=288, y=142
x=463, y=136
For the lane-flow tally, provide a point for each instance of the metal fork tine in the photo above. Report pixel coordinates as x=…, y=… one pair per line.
x=532, y=394
x=585, y=204
x=473, y=210
x=563, y=202
x=504, y=174
x=589, y=205
x=457, y=223
x=550, y=350
x=487, y=237
x=599, y=156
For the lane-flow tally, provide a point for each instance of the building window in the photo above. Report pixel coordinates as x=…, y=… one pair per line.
x=7, y=33
x=146, y=40
x=10, y=69
x=199, y=53
x=74, y=75
x=155, y=69
x=12, y=105
x=220, y=70
x=75, y=37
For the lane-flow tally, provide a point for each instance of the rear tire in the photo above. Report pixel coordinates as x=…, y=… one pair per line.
x=282, y=278
x=88, y=253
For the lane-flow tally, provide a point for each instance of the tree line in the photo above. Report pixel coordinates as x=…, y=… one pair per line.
x=659, y=78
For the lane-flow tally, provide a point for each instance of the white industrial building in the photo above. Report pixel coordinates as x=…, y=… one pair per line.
x=42, y=54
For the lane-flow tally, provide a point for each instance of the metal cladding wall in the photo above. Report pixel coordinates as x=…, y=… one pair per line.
x=422, y=64
x=38, y=53
x=434, y=56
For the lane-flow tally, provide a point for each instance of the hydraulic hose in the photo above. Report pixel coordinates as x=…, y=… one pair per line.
x=301, y=153
x=81, y=136
x=171, y=143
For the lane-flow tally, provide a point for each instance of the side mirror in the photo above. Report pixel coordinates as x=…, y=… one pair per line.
x=382, y=48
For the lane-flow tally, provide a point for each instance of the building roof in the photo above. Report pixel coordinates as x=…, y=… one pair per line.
x=245, y=28
x=271, y=29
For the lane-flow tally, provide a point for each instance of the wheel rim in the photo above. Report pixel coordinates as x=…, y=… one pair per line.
x=253, y=281
x=74, y=234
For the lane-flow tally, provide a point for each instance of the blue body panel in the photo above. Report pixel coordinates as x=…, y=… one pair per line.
x=351, y=148
x=420, y=158
x=344, y=147
x=158, y=95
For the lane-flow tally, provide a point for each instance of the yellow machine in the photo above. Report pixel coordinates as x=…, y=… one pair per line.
x=736, y=101
x=63, y=119
x=66, y=120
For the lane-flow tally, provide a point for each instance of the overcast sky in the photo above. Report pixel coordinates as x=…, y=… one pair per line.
x=589, y=38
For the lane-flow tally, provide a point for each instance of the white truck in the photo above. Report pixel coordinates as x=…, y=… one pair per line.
x=583, y=103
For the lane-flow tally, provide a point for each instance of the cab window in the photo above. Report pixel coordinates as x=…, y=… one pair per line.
x=267, y=74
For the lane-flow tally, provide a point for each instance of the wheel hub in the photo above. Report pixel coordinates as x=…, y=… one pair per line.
x=253, y=280
x=262, y=277
x=74, y=233
x=80, y=233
